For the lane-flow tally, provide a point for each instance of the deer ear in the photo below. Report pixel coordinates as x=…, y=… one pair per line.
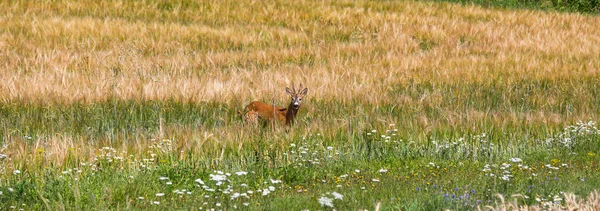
x=304, y=91
x=289, y=91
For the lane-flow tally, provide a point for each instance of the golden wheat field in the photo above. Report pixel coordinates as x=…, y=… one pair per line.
x=243, y=50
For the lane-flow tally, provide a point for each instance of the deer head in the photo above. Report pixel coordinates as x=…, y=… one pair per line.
x=296, y=96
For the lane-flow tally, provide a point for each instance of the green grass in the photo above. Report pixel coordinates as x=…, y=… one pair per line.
x=580, y=6
x=154, y=139
x=116, y=179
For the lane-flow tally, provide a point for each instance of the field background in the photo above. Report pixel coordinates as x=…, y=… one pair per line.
x=102, y=99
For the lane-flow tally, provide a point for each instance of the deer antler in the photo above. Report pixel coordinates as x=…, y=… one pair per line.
x=293, y=88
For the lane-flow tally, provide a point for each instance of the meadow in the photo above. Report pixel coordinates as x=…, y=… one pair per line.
x=412, y=105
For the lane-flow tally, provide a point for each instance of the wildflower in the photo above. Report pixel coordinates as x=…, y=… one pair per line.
x=337, y=195
x=376, y=180
x=418, y=189
x=2, y=156
x=486, y=168
x=169, y=183
x=324, y=201
x=271, y=188
x=11, y=189
x=246, y=204
x=275, y=181
x=16, y=172
x=515, y=160
x=383, y=170
x=163, y=178
x=218, y=177
x=160, y=194
x=199, y=181
x=156, y=202
x=329, y=148
x=357, y=171
x=265, y=192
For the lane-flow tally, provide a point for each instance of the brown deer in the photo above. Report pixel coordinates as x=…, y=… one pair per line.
x=256, y=110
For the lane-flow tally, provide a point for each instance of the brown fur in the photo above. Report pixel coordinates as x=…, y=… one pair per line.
x=258, y=110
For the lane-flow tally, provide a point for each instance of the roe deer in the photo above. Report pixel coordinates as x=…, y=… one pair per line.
x=256, y=110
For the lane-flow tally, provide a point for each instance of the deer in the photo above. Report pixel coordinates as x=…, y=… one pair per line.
x=257, y=110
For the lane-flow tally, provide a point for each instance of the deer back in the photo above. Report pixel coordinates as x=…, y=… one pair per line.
x=259, y=110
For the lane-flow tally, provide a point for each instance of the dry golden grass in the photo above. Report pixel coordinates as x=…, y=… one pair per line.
x=65, y=52
x=572, y=202
x=233, y=52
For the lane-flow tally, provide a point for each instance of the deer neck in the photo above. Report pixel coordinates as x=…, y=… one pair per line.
x=291, y=114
